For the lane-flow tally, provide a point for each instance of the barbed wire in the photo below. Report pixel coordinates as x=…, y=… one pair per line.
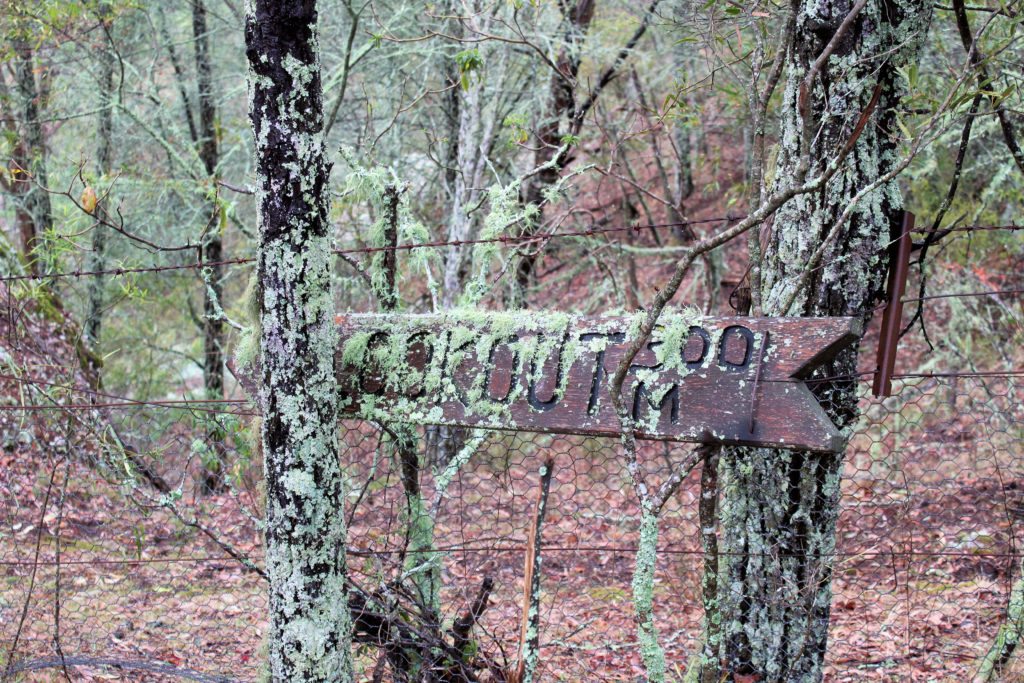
x=117, y=401
x=155, y=666
x=127, y=399
x=210, y=594
x=979, y=373
x=127, y=560
x=968, y=228
x=181, y=405
x=957, y=295
x=540, y=237
x=125, y=271
x=509, y=239
x=508, y=545
x=504, y=239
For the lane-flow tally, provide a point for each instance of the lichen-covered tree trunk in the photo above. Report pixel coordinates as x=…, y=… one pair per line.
x=1008, y=637
x=779, y=509
x=310, y=626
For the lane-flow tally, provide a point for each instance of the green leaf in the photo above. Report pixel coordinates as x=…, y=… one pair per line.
x=469, y=60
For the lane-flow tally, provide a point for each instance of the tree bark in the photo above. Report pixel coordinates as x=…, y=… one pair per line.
x=561, y=106
x=779, y=509
x=213, y=316
x=98, y=259
x=34, y=215
x=309, y=638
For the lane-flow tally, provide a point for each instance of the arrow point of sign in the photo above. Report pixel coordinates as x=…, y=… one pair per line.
x=793, y=417
x=838, y=333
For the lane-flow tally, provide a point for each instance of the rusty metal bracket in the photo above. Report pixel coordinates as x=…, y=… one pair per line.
x=892, y=318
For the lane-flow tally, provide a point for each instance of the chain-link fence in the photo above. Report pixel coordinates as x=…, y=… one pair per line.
x=132, y=583
x=131, y=541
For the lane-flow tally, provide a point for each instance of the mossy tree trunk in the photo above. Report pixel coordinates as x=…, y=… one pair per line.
x=779, y=509
x=310, y=627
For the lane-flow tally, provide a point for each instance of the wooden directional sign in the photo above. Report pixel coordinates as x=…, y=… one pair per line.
x=728, y=380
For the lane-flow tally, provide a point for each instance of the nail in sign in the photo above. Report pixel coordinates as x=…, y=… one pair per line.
x=702, y=379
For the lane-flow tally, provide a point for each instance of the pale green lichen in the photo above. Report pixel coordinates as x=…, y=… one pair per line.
x=651, y=652
x=548, y=351
x=381, y=186
x=445, y=477
x=247, y=350
x=546, y=348
x=506, y=210
x=464, y=335
x=775, y=604
x=310, y=626
x=1008, y=637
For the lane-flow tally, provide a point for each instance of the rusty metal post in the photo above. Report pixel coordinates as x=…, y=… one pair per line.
x=892, y=318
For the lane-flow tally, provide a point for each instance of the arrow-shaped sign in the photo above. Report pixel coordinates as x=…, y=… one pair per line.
x=728, y=380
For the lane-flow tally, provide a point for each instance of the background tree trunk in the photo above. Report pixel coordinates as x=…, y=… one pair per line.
x=98, y=259
x=310, y=626
x=213, y=276
x=561, y=106
x=34, y=215
x=779, y=509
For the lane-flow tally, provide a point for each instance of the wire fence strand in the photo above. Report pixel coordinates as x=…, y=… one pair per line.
x=131, y=526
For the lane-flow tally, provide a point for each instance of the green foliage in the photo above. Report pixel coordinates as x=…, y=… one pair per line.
x=10, y=264
x=459, y=151
x=468, y=61
x=519, y=132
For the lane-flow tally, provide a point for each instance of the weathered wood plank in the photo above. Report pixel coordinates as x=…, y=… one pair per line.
x=702, y=379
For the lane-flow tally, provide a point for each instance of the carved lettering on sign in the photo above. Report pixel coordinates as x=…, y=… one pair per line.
x=696, y=379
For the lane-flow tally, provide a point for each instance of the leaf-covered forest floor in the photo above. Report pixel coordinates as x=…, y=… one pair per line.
x=920, y=582
x=122, y=582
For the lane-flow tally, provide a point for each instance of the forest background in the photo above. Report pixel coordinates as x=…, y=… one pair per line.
x=547, y=156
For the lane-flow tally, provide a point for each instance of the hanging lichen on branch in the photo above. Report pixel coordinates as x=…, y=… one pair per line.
x=393, y=224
